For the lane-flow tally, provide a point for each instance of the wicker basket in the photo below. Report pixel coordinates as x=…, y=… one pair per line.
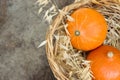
x=68, y=63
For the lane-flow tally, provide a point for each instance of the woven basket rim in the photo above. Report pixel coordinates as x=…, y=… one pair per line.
x=50, y=33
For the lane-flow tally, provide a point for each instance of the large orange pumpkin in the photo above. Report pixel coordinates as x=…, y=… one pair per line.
x=105, y=63
x=88, y=29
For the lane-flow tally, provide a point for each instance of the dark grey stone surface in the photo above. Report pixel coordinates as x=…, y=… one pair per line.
x=20, y=35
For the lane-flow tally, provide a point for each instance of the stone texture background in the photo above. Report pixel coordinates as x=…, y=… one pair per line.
x=20, y=35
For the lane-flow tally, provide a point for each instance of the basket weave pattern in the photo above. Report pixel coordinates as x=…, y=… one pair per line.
x=68, y=63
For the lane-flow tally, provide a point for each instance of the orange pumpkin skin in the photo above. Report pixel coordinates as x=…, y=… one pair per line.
x=104, y=66
x=88, y=30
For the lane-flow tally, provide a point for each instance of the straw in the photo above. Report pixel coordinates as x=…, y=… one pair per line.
x=66, y=62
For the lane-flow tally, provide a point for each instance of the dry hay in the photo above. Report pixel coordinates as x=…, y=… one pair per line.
x=66, y=62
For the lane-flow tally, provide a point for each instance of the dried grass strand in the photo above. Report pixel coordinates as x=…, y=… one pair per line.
x=68, y=63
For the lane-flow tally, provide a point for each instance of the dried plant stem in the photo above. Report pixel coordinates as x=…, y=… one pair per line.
x=66, y=62
x=54, y=3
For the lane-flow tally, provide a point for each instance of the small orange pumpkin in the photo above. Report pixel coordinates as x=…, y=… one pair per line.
x=88, y=30
x=105, y=63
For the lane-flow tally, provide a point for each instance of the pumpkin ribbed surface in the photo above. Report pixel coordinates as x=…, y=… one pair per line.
x=88, y=30
x=105, y=63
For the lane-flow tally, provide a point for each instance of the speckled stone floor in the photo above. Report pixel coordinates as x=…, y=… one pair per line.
x=20, y=35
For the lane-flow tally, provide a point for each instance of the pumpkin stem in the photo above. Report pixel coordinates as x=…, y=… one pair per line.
x=110, y=54
x=77, y=33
